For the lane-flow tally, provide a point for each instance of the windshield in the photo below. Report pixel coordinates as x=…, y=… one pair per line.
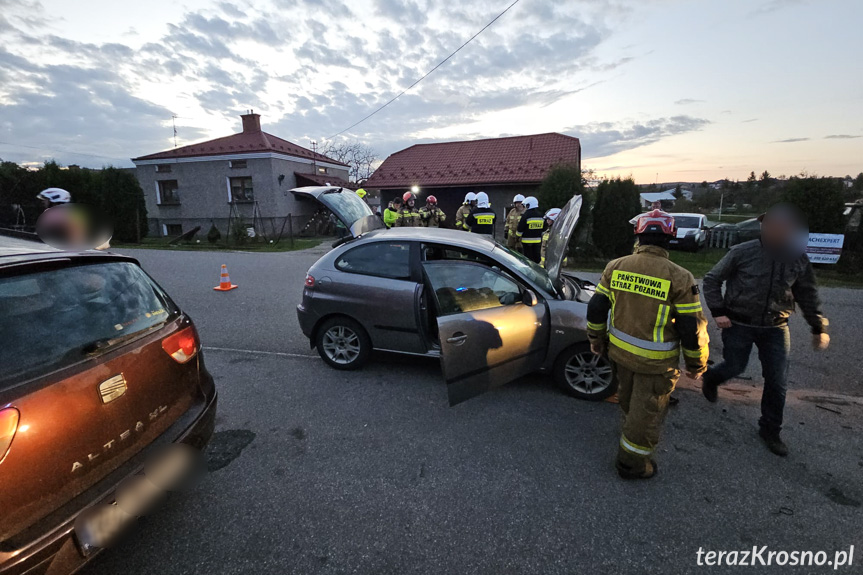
x=687, y=221
x=526, y=267
x=346, y=204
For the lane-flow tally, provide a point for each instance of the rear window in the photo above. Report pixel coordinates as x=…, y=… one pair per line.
x=56, y=318
x=382, y=259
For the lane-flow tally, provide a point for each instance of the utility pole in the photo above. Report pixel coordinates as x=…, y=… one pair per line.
x=315, y=157
x=174, y=122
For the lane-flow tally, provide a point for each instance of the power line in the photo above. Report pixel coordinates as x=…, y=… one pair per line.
x=444, y=61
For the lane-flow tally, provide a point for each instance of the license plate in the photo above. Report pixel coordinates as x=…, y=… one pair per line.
x=99, y=526
x=674, y=241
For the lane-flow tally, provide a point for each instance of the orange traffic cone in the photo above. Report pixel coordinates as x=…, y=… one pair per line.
x=225, y=281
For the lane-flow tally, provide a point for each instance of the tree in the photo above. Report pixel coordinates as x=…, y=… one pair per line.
x=765, y=180
x=559, y=185
x=678, y=191
x=617, y=201
x=360, y=158
x=821, y=199
x=858, y=182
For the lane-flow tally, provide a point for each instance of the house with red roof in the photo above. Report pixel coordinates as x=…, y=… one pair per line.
x=246, y=174
x=500, y=167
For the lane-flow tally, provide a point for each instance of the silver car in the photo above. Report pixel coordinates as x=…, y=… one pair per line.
x=490, y=314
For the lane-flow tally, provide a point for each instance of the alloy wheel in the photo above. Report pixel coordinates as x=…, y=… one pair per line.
x=588, y=373
x=341, y=344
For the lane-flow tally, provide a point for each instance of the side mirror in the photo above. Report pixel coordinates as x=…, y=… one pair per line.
x=529, y=298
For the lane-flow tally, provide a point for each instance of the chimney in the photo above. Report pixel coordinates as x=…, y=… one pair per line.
x=251, y=122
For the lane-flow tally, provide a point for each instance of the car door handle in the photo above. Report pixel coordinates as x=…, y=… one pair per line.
x=457, y=338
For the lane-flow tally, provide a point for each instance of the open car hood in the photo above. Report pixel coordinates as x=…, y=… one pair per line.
x=558, y=241
x=345, y=204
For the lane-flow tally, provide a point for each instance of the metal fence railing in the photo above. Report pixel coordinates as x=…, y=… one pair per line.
x=722, y=238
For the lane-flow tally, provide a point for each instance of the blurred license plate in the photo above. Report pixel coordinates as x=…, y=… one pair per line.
x=674, y=241
x=100, y=526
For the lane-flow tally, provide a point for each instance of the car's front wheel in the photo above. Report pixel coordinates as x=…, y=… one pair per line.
x=343, y=343
x=584, y=375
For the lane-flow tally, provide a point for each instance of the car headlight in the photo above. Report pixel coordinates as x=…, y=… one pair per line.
x=691, y=233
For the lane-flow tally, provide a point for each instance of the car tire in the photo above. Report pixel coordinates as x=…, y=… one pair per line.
x=584, y=375
x=343, y=343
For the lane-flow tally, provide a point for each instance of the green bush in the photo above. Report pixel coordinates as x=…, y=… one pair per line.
x=238, y=232
x=214, y=235
x=821, y=199
x=617, y=202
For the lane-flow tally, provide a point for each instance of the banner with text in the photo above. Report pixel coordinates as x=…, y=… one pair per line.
x=825, y=248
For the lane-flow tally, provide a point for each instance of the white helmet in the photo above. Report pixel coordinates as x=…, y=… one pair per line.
x=55, y=196
x=482, y=200
x=552, y=214
x=469, y=197
x=518, y=198
x=530, y=202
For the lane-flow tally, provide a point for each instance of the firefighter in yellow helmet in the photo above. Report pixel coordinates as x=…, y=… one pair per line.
x=464, y=211
x=409, y=215
x=645, y=310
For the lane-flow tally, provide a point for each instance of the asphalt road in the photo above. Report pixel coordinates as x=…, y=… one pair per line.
x=372, y=472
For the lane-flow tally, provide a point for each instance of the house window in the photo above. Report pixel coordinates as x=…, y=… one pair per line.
x=167, y=192
x=173, y=230
x=238, y=164
x=163, y=168
x=241, y=190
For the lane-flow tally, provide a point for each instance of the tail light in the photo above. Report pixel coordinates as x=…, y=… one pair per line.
x=183, y=345
x=8, y=426
x=310, y=280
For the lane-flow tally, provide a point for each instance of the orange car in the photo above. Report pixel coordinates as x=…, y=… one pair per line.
x=99, y=370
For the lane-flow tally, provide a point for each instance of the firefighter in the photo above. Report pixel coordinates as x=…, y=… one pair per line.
x=361, y=193
x=391, y=214
x=550, y=218
x=409, y=215
x=512, y=218
x=432, y=216
x=655, y=311
x=481, y=218
x=464, y=211
x=529, y=229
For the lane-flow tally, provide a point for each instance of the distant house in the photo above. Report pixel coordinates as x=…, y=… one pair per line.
x=244, y=175
x=500, y=167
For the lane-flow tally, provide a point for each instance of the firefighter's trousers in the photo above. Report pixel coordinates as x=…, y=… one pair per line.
x=644, y=400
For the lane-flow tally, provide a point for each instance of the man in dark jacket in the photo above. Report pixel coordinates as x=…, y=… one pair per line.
x=481, y=218
x=763, y=280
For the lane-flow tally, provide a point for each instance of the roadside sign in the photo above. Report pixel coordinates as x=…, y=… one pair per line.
x=825, y=248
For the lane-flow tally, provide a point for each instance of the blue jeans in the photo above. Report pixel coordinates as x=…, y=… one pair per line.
x=773, y=344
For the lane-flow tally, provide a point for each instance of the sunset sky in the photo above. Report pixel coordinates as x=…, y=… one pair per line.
x=660, y=89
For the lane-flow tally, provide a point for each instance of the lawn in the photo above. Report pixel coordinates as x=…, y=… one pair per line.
x=163, y=244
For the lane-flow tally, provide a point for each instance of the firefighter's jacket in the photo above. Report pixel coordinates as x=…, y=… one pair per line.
x=432, y=216
x=461, y=217
x=481, y=221
x=510, y=229
x=409, y=218
x=649, y=309
x=531, y=226
x=390, y=216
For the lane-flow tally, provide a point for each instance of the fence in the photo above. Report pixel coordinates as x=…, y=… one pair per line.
x=723, y=239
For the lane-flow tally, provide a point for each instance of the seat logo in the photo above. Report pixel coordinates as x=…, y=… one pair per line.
x=111, y=389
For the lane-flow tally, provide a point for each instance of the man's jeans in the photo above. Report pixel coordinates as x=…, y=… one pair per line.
x=773, y=345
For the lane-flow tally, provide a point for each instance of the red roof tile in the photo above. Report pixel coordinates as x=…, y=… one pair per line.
x=254, y=142
x=514, y=160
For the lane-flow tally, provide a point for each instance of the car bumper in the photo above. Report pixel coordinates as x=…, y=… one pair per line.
x=688, y=242
x=50, y=548
x=307, y=320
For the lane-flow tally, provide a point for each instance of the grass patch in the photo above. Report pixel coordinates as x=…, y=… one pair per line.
x=204, y=246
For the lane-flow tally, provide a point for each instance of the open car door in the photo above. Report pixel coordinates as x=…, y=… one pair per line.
x=492, y=330
x=346, y=205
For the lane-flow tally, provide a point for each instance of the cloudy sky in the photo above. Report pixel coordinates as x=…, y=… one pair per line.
x=674, y=90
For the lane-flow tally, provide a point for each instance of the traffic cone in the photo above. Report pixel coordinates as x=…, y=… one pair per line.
x=225, y=281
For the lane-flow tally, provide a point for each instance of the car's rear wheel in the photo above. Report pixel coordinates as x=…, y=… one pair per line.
x=584, y=375
x=343, y=343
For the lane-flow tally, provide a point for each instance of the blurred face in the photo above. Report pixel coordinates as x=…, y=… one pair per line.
x=411, y=203
x=784, y=232
x=519, y=206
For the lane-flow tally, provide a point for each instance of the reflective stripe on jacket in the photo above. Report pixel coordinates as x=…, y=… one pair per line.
x=409, y=218
x=432, y=216
x=461, y=217
x=531, y=226
x=481, y=221
x=649, y=308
